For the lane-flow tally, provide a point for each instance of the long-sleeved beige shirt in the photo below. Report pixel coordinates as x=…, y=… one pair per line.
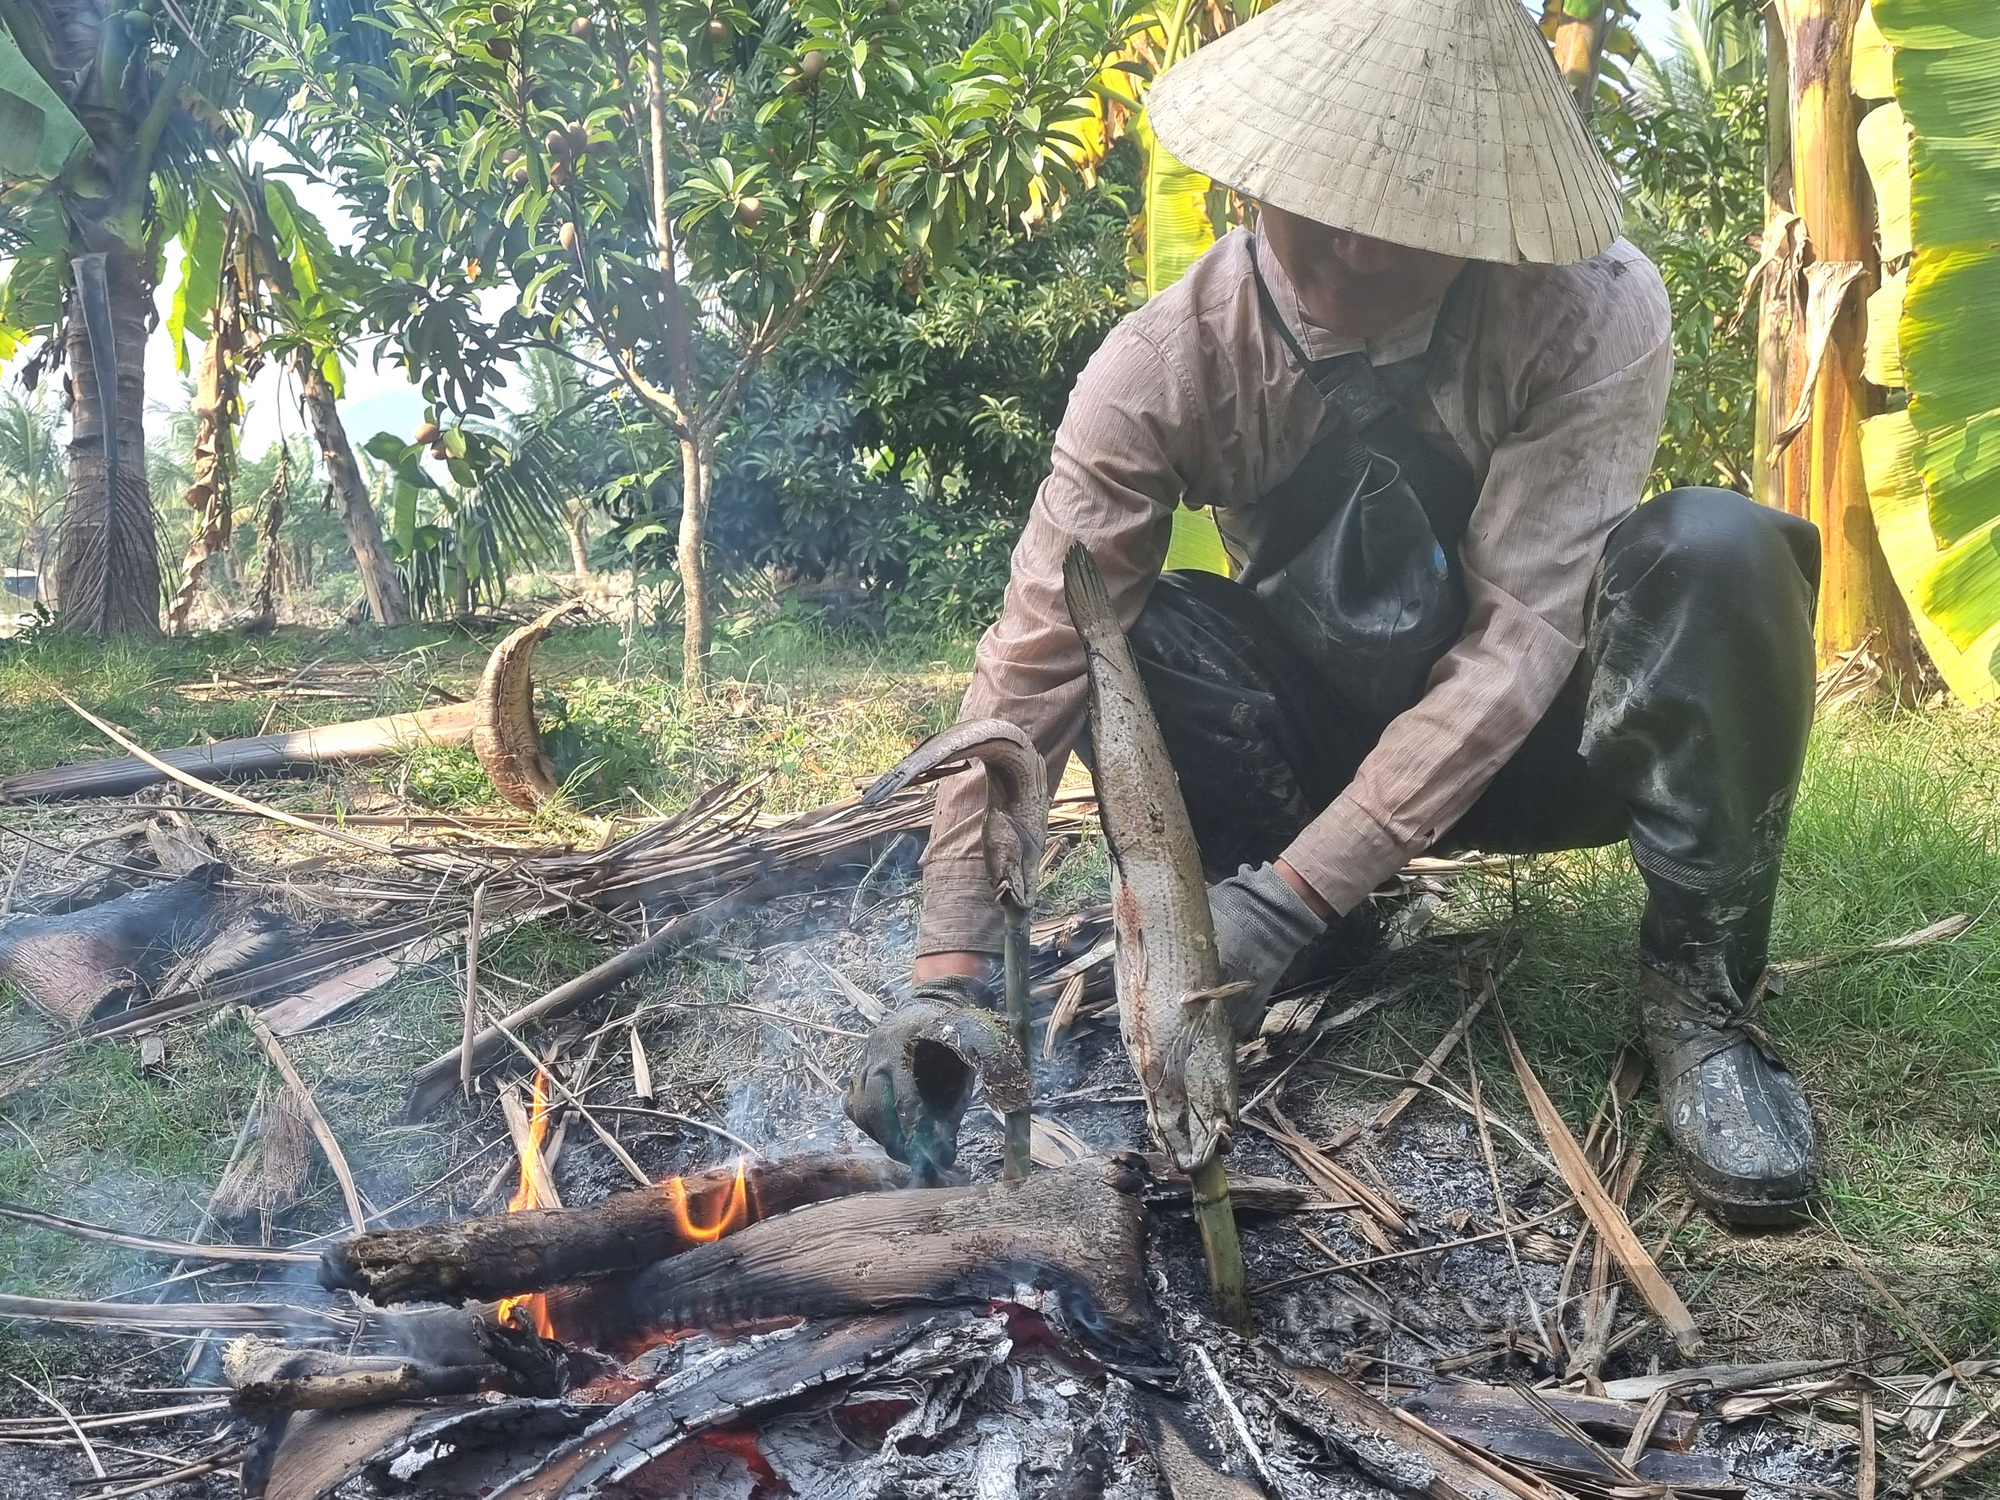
x=1551, y=381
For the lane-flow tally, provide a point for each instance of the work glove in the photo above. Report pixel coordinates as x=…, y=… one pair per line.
x=918, y=1068
x=1261, y=924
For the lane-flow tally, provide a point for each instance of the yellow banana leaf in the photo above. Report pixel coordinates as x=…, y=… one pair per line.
x=1884, y=138
x=1934, y=468
x=1882, y=362
x=1889, y=449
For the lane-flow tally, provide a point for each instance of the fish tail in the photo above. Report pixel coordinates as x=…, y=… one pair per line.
x=1089, y=600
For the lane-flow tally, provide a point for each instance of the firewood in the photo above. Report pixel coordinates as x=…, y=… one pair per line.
x=267, y=1379
x=258, y=755
x=508, y=1254
x=1075, y=1236
x=737, y=1380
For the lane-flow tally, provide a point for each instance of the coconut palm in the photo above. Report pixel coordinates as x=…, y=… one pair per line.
x=31, y=479
x=105, y=115
x=1707, y=47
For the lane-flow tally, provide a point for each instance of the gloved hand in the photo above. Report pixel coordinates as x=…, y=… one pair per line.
x=918, y=1068
x=1261, y=924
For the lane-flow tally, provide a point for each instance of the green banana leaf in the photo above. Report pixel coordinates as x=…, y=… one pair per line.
x=38, y=134
x=1179, y=229
x=1934, y=468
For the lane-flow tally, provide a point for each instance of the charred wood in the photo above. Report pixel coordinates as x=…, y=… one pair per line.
x=268, y=1379
x=1462, y=1410
x=727, y=1384
x=507, y=1254
x=1396, y=1452
x=1069, y=1243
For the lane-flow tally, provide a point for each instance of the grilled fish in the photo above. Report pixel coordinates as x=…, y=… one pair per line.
x=1172, y=1005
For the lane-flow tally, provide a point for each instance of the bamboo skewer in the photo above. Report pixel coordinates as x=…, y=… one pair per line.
x=471, y=1022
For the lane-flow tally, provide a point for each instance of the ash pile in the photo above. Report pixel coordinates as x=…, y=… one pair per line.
x=808, y=1321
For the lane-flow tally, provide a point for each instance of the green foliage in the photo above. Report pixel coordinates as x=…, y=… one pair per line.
x=1688, y=142
x=810, y=133
x=445, y=776
x=1934, y=465
x=32, y=481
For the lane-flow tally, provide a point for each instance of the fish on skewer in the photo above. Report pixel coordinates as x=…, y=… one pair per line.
x=1173, y=1008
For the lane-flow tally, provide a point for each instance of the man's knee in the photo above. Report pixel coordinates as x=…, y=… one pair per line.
x=1715, y=539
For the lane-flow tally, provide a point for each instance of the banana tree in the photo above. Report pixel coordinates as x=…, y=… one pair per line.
x=95, y=104
x=1933, y=467
x=1181, y=212
x=259, y=277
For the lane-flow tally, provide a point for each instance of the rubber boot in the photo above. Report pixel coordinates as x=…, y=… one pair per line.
x=1729, y=1102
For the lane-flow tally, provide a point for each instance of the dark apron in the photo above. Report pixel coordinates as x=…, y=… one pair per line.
x=1357, y=558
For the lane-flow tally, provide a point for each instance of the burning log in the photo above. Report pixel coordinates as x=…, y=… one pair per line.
x=509, y=1254
x=1073, y=1237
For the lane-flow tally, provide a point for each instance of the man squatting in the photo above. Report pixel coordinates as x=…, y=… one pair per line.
x=1421, y=397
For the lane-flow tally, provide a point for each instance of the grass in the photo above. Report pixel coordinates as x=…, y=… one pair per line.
x=1898, y=825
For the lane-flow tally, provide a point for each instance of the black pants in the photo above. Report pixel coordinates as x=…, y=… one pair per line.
x=1683, y=727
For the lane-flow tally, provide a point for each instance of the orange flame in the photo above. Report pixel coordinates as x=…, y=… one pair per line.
x=528, y=1195
x=735, y=1209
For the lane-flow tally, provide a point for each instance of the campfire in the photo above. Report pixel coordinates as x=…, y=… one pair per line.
x=1442, y=1301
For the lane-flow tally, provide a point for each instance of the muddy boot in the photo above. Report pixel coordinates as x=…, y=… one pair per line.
x=1729, y=1104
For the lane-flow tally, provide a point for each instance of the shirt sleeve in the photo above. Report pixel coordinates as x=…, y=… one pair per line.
x=1574, y=464
x=1121, y=463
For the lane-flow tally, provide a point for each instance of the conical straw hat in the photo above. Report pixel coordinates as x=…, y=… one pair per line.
x=1440, y=124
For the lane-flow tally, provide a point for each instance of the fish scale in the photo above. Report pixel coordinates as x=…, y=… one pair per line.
x=1172, y=1005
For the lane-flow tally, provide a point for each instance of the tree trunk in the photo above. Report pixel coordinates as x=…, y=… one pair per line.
x=386, y=600
x=108, y=568
x=1774, y=318
x=1857, y=596
x=579, y=539
x=1579, y=52
x=216, y=407
x=695, y=457
x=264, y=603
